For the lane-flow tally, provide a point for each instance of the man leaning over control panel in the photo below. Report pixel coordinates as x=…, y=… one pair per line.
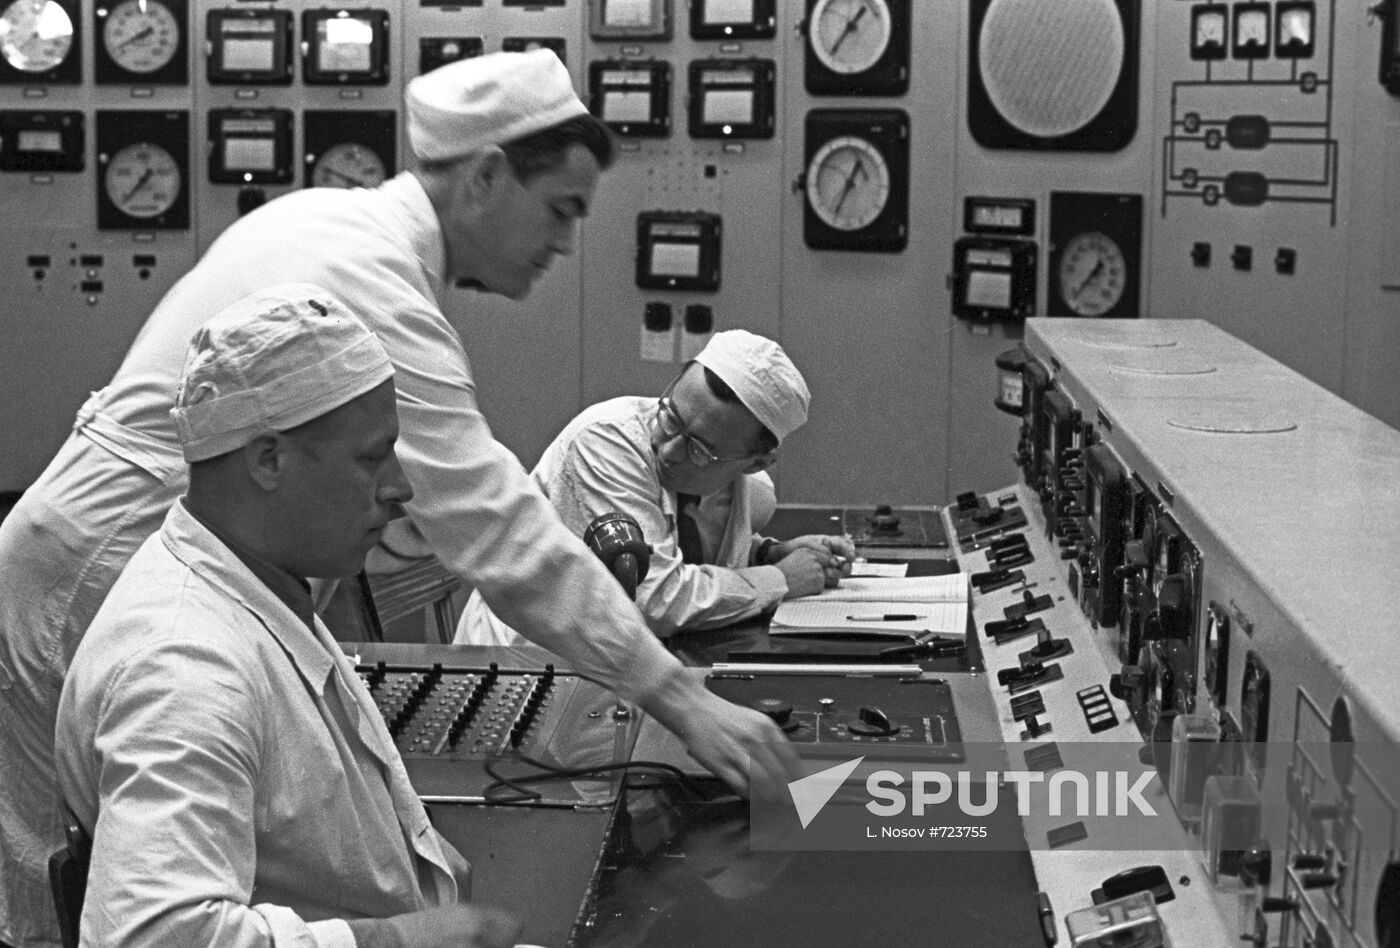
x=238, y=782
x=506, y=161
x=690, y=469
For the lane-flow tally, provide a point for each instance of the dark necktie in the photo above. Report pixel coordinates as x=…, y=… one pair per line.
x=687, y=530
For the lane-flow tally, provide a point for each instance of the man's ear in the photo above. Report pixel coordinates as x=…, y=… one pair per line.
x=761, y=463
x=265, y=459
x=486, y=174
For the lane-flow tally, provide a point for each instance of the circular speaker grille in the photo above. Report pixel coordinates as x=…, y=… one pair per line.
x=1049, y=68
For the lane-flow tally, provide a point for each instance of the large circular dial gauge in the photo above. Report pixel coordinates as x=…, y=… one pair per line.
x=849, y=36
x=141, y=36
x=1093, y=274
x=35, y=35
x=848, y=183
x=348, y=165
x=143, y=180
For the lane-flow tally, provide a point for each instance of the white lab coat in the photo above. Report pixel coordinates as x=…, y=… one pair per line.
x=241, y=782
x=603, y=462
x=380, y=252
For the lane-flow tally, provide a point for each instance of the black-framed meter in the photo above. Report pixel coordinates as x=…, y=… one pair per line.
x=1061, y=82
x=348, y=148
x=678, y=250
x=143, y=169
x=1095, y=256
x=994, y=278
x=856, y=181
x=344, y=47
x=40, y=42
x=249, y=47
x=1210, y=31
x=523, y=44
x=1295, y=28
x=732, y=98
x=141, y=42
x=1009, y=217
x=857, y=47
x=250, y=146
x=733, y=19
x=435, y=51
x=632, y=97
x=629, y=19
x=1389, y=73
x=40, y=141
x=1252, y=24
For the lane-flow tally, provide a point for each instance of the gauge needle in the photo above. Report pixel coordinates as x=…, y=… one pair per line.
x=345, y=177
x=136, y=37
x=140, y=183
x=1098, y=268
x=857, y=168
x=851, y=26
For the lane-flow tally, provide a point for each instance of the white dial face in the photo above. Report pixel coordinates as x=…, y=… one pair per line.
x=1295, y=27
x=1252, y=28
x=143, y=180
x=347, y=165
x=849, y=36
x=141, y=36
x=1210, y=29
x=848, y=183
x=1093, y=274
x=35, y=35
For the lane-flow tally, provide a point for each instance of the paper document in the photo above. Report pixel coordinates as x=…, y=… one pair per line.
x=949, y=588
x=863, y=567
x=900, y=608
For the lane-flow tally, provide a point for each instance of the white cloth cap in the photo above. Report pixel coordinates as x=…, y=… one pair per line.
x=762, y=376
x=487, y=100
x=270, y=362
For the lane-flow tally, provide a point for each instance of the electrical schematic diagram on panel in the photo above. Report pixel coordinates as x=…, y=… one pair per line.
x=1252, y=118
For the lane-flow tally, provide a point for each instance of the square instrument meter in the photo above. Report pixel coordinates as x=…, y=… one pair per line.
x=250, y=146
x=249, y=47
x=345, y=47
x=731, y=98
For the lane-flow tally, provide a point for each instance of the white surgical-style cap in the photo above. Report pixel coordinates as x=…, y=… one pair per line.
x=487, y=100
x=761, y=374
x=270, y=362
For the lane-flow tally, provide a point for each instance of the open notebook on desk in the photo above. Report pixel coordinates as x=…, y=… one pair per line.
x=911, y=607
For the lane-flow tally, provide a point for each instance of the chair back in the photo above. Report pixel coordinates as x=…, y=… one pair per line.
x=68, y=875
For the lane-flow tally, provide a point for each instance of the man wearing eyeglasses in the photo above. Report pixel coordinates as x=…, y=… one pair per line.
x=689, y=468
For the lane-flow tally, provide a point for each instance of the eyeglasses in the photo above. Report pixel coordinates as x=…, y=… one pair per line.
x=670, y=424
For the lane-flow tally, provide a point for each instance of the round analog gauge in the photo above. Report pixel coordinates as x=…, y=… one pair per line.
x=1093, y=274
x=35, y=35
x=143, y=180
x=141, y=36
x=848, y=183
x=849, y=36
x=348, y=165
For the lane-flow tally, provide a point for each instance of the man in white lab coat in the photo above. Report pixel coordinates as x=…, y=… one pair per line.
x=238, y=782
x=507, y=160
x=690, y=468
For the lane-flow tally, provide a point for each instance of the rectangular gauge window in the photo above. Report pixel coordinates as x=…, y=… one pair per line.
x=1009, y=216
x=678, y=250
x=1251, y=30
x=1294, y=26
x=632, y=98
x=732, y=98
x=994, y=278
x=250, y=47
x=732, y=19
x=630, y=19
x=41, y=141
x=346, y=47
x=250, y=146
